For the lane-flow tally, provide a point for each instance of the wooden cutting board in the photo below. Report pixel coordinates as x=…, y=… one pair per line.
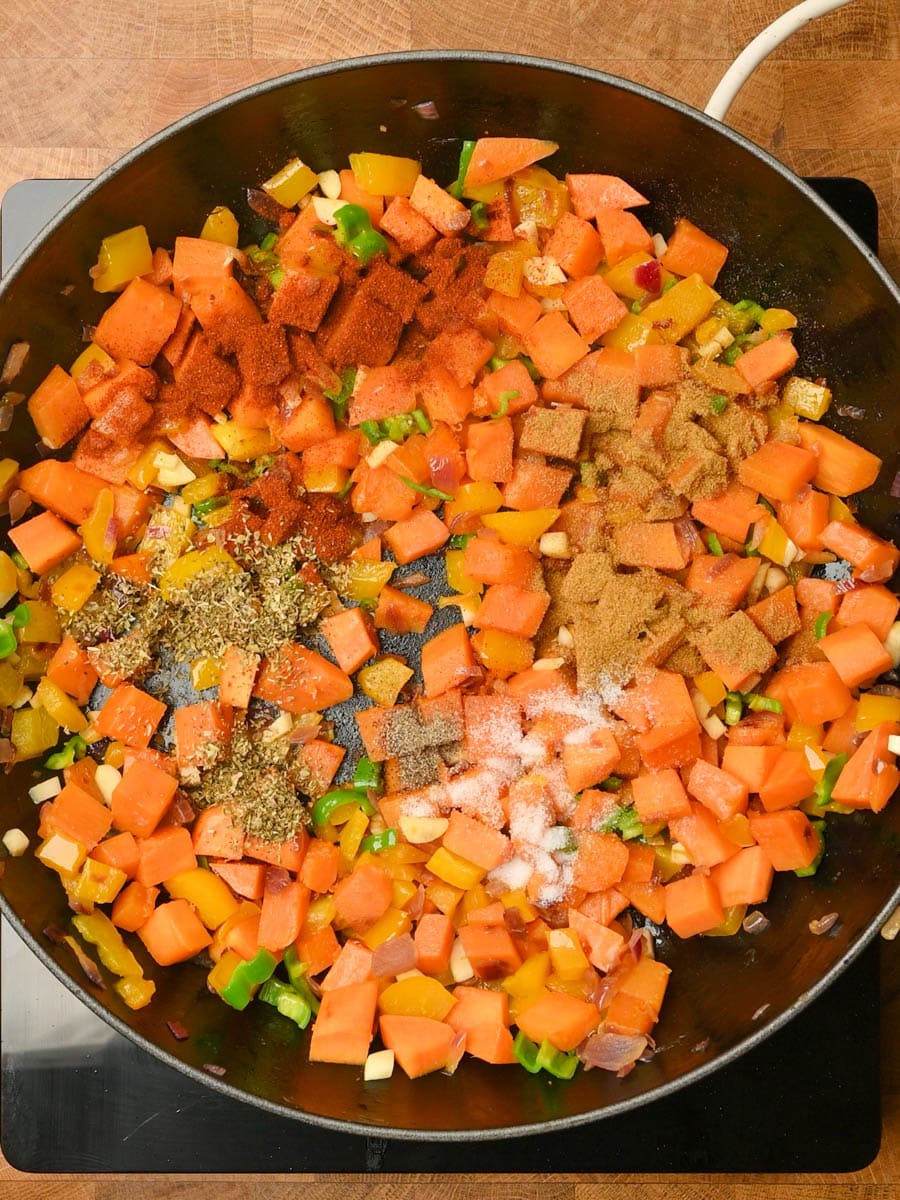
x=81, y=81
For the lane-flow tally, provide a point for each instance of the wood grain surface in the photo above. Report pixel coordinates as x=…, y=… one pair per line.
x=81, y=81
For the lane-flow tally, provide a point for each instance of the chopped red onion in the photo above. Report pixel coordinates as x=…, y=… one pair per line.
x=15, y=361
x=394, y=957
x=19, y=504
x=457, y=1050
x=427, y=110
x=111, y=533
x=214, y=1069
x=301, y=734
x=416, y=579
x=87, y=964
x=416, y=906
x=277, y=879
x=757, y=533
x=180, y=811
x=178, y=1031
x=513, y=920
x=688, y=536
x=443, y=473
x=821, y=925
x=7, y=751
x=6, y=417
x=884, y=689
x=612, y=1051
x=641, y=943
x=763, y=1008
x=895, y=487
x=755, y=922
x=700, y=1047
x=851, y=411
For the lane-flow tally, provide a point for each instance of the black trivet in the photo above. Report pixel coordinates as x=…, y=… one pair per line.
x=78, y=1097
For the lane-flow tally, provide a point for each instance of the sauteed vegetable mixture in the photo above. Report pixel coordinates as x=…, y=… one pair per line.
x=642, y=681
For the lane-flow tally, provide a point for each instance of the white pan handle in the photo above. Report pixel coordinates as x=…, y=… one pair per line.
x=760, y=48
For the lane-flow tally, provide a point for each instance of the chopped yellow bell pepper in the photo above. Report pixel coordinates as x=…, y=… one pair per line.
x=393, y=923
x=468, y=604
x=632, y=331
x=205, y=673
x=351, y=835
x=11, y=683
x=684, y=305
x=505, y=268
x=774, y=320
x=329, y=479
x=474, y=899
x=736, y=829
x=807, y=399
x=475, y=498
x=417, y=996
x=33, y=660
x=98, y=531
x=710, y=687
x=135, y=990
x=320, y=913
x=518, y=900
x=62, y=854
x=521, y=528
x=243, y=444
x=363, y=579
x=203, y=488
x=444, y=897
x=539, y=196
x=782, y=420
x=9, y=469
x=210, y=895
x=9, y=578
x=730, y=923
x=221, y=226
x=123, y=256
x=383, y=681
x=96, y=883
x=402, y=892
x=873, y=710
x=143, y=471
x=504, y=654
x=114, y=755
x=566, y=955
x=33, y=732
x=801, y=735
x=43, y=624
x=402, y=854
x=62, y=708
x=455, y=870
x=193, y=564
x=72, y=590
x=776, y=545
x=839, y=511
x=385, y=174
x=92, y=353
x=289, y=185
x=531, y=978
x=457, y=579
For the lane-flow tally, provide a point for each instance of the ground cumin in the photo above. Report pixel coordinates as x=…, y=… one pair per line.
x=738, y=643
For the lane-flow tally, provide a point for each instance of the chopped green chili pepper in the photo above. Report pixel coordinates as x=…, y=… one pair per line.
x=823, y=789
x=718, y=404
x=224, y=468
x=8, y=643
x=203, y=507
x=276, y=277
x=421, y=420
x=340, y=399
x=750, y=552
x=261, y=465
x=755, y=311
x=715, y=546
x=504, y=401
x=734, y=708
x=459, y=541
x=397, y=427
x=20, y=616
x=588, y=474
x=355, y=233
x=625, y=822
x=821, y=625
x=757, y=703
x=526, y=1052
x=372, y=432
x=479, y=216
x=288, y=1002
x=72, y=750
x=345, y=490
x=529, y=366
x=19, y=560
x=434, y=492
x=670, y=283
x=805, y=872
x=268, y=241
x=636, y=307
x=246, y=978
x=496, y=362
x=367, y=776
x=376, y=843
x=556, y=1062
x=465, y=157
x=326, y=806
x=612, y=783
x=296, y=971
x=734, y=352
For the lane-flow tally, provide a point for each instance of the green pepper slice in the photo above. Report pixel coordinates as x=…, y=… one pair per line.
x=377, y=843
x=526, y=1052
x=287, y=1001
x=367, y=776
x=326, y=806
x=556, y=1062
x=823, y=789
x=246, y=978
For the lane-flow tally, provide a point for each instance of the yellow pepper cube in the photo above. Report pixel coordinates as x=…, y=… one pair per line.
x=474, y=899
x=143, y=471
x=632, y=331
x=98, y=530
x=385, y=174
x=92, y=353
x=62, y=708
x=393, y=923
x=33, y=732
x=114, y=755
x=504, y=272
x=96, y=883
x=566, y=955
x=806, y=399
x=241, y=443
x=468, y=604
x=9, y=469
x=9, y=578
x=478, y=498
x=456, y=576
x=504, y=654
x=521, y=528
x=123, y=256
x=782, y=421
x=579, y=988
x=205, y=673
x=683, y=306
x=221, y=226
x=221, y=973
x=621, y=277
x=135, y=990
x=62, y=854
x=289, y=185
x=839, y=511
x=457, y=871
x=403, y=891
x=210, y=895
x=417, y=996
x=351, y=835
x=530, y=978
x=801, y=735
x=203, y=488
x=72, y=590
x=518, y=900
x=737, y=830
x=444, y=897
x=774, y=320
x=402, y=854
x=384, y=680
x=320, y=913
x=873, y=710
x=191, y=565
x=775, y=543
x=43, y=624
x=11, y=683
x=364, y=579
x=710, y=687
x=730, y=923
x=328, y=479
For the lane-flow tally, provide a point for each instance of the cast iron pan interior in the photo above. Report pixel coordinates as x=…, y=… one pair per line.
x=787, y=249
